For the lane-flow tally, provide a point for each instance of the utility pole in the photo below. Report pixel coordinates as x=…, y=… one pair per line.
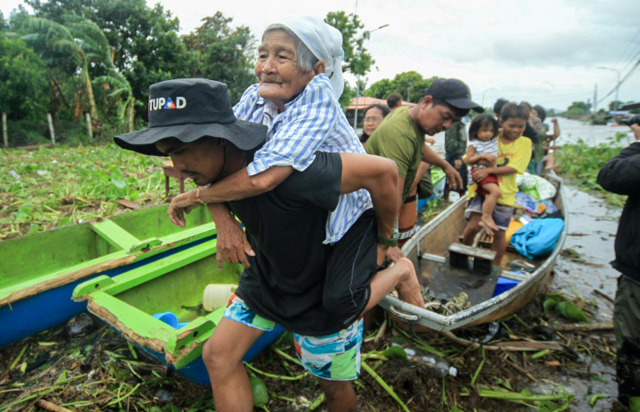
x=595, y=100
x=615, y=106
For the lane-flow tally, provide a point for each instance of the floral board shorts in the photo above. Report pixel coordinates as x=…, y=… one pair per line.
x=334, y=357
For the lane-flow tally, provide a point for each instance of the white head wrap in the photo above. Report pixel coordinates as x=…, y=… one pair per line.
x=324, y=41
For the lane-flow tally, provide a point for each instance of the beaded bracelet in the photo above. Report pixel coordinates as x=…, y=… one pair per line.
x=198, y=190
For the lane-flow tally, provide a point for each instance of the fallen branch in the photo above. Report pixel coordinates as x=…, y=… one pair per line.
x=521, y=346
x=583, y=327
x=602, y=295
x=521, y=370
x=530, y=345
x=51, y=406
x=128, y=203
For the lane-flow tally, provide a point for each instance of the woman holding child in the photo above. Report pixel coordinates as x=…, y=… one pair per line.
x=514, y=154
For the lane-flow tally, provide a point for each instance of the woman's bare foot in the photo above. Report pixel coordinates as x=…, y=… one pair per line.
x=408, y=287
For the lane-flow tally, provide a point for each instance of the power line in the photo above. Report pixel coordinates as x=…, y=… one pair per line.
x=626, y=77
x=630, y=44
x=633, y=57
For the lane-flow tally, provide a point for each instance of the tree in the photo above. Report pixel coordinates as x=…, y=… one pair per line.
x=23, y=79
x=4, y=26
x=578, y=109
x=223, y=53
x=146, y=46
x=357, y=59
x=79, y=41
x=615, y=105
x=411, y=85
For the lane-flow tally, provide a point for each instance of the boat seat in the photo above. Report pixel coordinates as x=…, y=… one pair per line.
x=169, y=171
x=459, y=255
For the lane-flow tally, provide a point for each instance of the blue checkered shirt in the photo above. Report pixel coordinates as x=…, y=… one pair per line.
x=312, y=122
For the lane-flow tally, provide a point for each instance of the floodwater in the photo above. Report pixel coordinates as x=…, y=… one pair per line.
x=592, y=229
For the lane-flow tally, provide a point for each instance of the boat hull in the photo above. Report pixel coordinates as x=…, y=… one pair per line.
x=174, y=284
x=40, y=271
x=428, y=248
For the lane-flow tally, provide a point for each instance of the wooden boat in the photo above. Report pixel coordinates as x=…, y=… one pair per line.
x=175, y=284
x=428, y=249
x=38, y=272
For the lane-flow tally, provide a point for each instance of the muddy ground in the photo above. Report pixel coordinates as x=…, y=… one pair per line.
x=100, y=372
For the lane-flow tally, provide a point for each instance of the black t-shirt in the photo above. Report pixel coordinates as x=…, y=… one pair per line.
x=286, y=228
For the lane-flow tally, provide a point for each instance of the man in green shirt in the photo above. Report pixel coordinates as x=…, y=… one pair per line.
x=401, y=137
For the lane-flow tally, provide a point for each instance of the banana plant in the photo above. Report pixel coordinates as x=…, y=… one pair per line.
x=78, y=41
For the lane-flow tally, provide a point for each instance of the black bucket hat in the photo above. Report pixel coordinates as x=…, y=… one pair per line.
x=455, y=92
x=189, y=109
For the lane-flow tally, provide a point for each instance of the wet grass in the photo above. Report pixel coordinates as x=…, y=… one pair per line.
x=49, y=188
x=581, y=163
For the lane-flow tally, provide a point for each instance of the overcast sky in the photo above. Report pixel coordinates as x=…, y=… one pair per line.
x=544, y=51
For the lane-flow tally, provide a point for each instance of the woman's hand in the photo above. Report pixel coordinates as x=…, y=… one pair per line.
x=181, y=204
x=232, y=244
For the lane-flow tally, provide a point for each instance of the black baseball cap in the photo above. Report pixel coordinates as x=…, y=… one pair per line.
x=455, y=92
x=189, y=109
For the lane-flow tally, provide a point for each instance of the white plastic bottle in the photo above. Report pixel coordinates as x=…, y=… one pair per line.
x=217, y=295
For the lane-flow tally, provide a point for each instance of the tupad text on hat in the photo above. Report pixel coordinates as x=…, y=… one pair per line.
x=162, y=103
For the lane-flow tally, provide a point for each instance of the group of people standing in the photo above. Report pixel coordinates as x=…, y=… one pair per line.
x=319, y=208
x=489, y=146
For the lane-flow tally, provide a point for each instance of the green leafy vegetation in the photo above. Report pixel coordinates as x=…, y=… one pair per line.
x=69, y=58
x=49, y=188
x=581, y=163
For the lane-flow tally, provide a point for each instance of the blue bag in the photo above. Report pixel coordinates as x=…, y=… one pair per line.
x=537, y=238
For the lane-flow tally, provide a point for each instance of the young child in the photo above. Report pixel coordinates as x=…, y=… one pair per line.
x=482, y=153
x=514, y=154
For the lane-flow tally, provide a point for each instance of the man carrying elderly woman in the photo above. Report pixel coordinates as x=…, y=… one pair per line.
x=299, y=68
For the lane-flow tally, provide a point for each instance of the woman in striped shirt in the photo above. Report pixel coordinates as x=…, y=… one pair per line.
x=299, y=68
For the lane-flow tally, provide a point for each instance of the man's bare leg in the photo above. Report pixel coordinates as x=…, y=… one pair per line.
x=340, y=395
x=222, y=355
x=472, y=229
x=401, y=277
x=499, y=246
x=407, y=219
x=489, y=204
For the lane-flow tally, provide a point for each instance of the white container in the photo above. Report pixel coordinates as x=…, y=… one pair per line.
x=217, y=295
